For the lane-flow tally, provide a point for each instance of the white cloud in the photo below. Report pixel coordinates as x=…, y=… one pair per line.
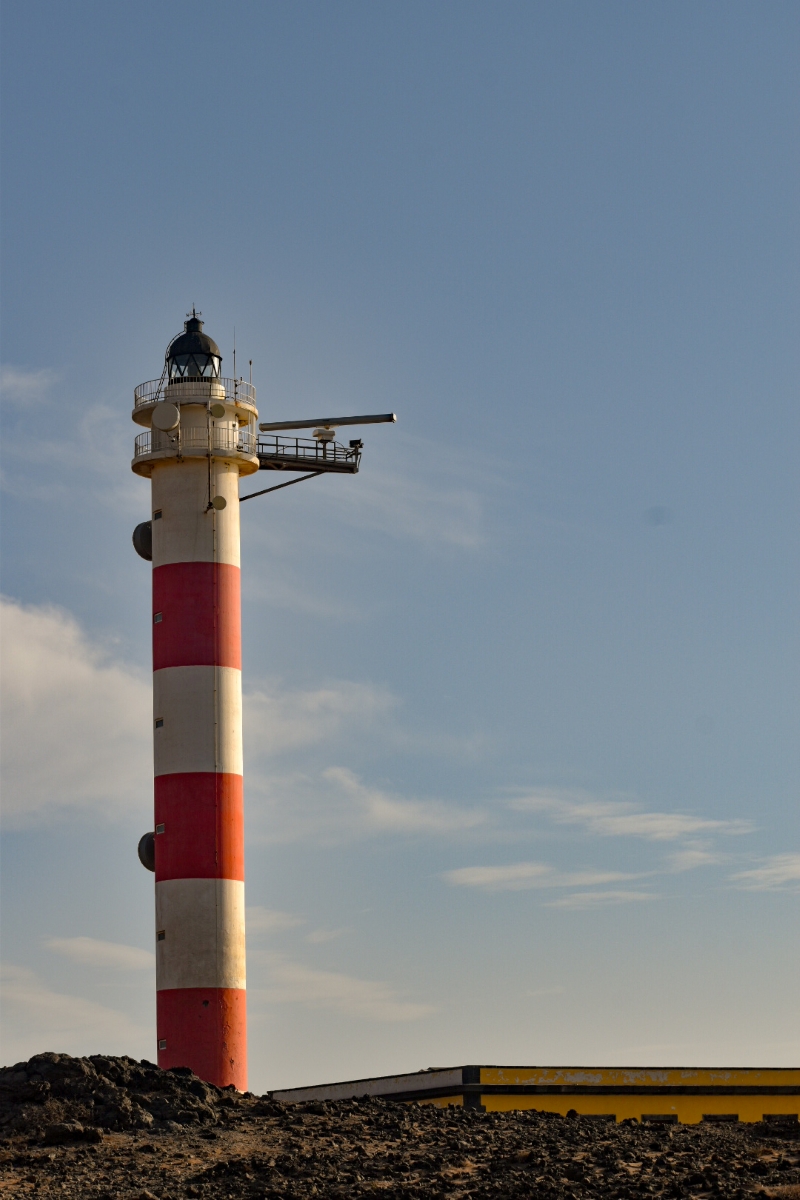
x=781, y=871
x=692, y=856
x=24, y=387
x=379, y=812
x=406, y=505
x=70, y=471
x=77, y=741
x=76, y=725
x=94, y=953
x=277, y=721
x=36, y=1019
x=609, y=818
x=411, y=487
x=333, y=806
x=286, y=589
x=526, y=875
x=293, y=983
x=585, y=900
x=319, y=937
x=269, y=920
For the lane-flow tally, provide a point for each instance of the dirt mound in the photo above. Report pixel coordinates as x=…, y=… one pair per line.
x=105, y=1093
x=116, y=1129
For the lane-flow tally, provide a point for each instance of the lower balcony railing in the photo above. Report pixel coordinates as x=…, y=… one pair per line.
x=225, y=441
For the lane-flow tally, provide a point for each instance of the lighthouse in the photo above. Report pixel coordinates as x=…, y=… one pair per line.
x=201, y=438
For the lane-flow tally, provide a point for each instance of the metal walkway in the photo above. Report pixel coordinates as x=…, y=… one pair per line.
x=301, y=454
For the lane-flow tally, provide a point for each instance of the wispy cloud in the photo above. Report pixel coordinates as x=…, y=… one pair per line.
x=93, y=953
x=35, y=1018
x=778, y=873
x=586, y=900
x=287, y=589
x=280, y=720
x=319, y=937
x=379, y=811
x=613, y=818
x=23, y=387
x=76, y=725
x=71, y=470
x=413, y=488
x=270, y=920
x=408, y=488
x=523, y=876
x=294, y=983
x=334, y=806
x=408, y=506
x=77, y=741
x=692, y=856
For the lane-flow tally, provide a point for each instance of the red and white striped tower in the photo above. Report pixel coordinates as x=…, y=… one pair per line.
x=201, y=438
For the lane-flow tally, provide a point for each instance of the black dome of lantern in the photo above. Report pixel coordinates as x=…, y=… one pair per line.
x=193, y=354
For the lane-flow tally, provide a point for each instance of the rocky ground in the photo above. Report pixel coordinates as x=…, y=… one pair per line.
x=103, y=1128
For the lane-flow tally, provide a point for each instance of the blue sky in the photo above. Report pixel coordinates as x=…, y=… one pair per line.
x=521, y=702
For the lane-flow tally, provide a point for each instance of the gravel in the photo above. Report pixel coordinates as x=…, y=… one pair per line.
x=106, y=1128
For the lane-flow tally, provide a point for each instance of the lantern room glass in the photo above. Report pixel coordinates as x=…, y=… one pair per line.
x=194, y=366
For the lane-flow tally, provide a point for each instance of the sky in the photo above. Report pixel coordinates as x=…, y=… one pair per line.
x=521, y=704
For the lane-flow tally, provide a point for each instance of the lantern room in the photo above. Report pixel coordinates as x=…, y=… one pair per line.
x=193, y=355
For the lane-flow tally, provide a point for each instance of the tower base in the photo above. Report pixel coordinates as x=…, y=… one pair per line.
x=205, y=1029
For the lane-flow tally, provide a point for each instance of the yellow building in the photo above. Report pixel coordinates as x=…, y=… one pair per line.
x=681, y=1094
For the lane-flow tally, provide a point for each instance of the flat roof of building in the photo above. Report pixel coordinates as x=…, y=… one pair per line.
x=685, y=1094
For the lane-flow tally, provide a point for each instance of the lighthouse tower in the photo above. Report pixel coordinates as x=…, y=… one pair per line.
x=200, y=438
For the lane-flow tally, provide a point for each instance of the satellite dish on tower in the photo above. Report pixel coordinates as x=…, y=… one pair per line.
x=166, y=416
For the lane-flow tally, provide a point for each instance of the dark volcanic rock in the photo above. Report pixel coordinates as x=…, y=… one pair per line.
x=57, y=1135
x=115, y=1129
x=112, y=1093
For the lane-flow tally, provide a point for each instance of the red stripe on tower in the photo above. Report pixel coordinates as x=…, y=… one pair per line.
x=197, y=615
x=200, y=823
x=207, y=1027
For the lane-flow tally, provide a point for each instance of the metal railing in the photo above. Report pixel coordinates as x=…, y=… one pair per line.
x=278, y=453
x=236, y=391
x=226, y=441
